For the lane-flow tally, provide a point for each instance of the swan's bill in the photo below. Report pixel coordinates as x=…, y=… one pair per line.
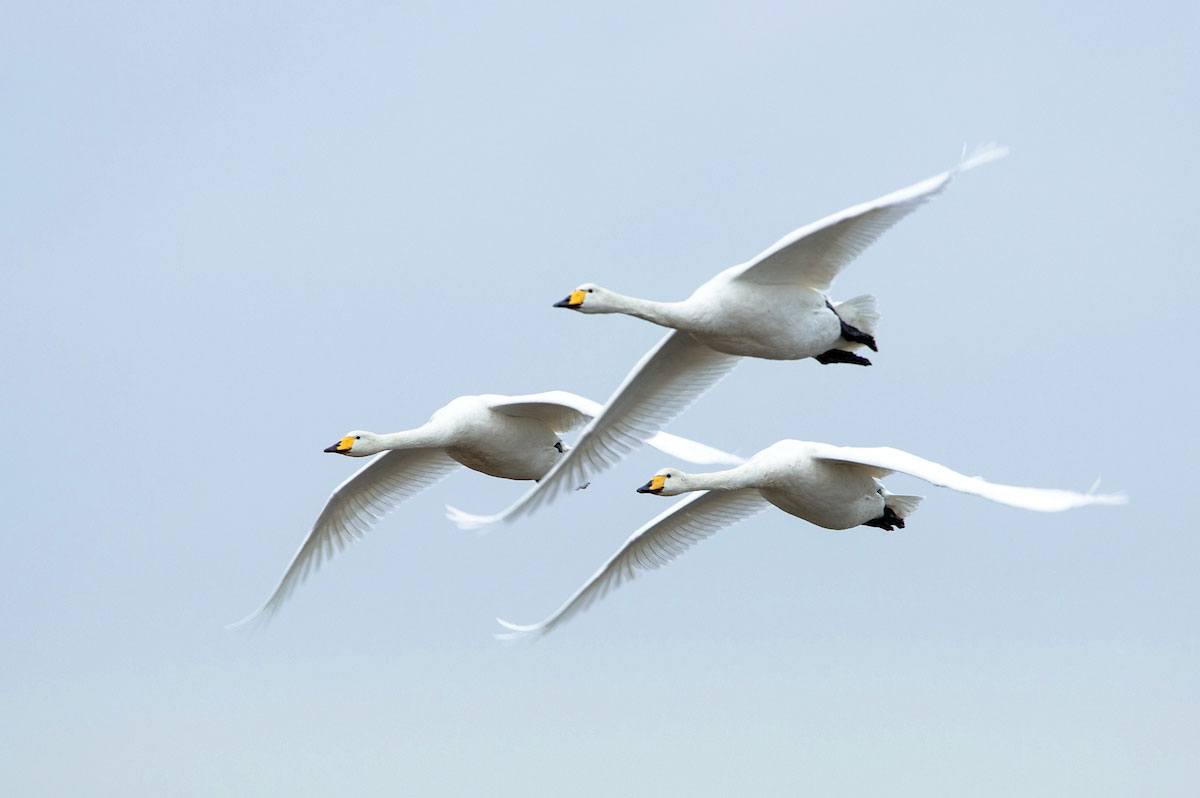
x=573, y=300
x=655, y=485
x=343, y=446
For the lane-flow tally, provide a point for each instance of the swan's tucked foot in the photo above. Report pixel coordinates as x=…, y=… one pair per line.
x=857, y=336
x=889, y=520
x=584, y=486
x=841, y=356
x=852, y=333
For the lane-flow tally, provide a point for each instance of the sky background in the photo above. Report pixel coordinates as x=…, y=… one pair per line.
x=230, y=232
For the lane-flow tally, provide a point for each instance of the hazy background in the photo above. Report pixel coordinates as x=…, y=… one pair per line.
x=231, y=232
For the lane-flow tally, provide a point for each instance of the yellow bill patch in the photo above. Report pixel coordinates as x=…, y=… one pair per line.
x=657, y=482
x=345, y=444
x=576, y=298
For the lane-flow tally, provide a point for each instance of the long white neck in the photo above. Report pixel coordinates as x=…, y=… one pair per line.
x=423, y=437
x=665, y=314
x=733, y=479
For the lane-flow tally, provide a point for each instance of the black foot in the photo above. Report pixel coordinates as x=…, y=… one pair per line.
x=853, y=334
x=842, y=356
x=889, y=520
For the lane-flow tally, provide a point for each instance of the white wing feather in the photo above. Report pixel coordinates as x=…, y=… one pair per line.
x=814, y=254
x=662, y=385
x=1043, y=499
x=565, y=411
x=354, y=507
x=692, y=451
x=562, y=410
x=673, y=532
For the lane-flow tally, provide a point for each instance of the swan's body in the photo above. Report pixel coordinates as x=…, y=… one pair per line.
x=743, y=318
x=512, y=437
x=777, y=322
x=774, y=306
x=476, y=434
x=835, y=487
x=833, y=494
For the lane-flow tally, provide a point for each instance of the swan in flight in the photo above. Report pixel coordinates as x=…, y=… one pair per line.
x=774, y=306
x=836, y=487
x=513, y=437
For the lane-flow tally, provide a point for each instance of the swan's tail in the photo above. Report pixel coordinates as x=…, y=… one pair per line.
x=903, y=506
x=859, y=312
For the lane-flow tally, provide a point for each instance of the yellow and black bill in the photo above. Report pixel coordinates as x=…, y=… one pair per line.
x=342, y=446
x=573, y=300
x=655, y=485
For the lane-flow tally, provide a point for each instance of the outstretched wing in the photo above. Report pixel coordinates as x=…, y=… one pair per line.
x=1043, y=499
x=814, y=254
x=564, y=411
x=685, y=523
x=662, y=385
x=354, y=507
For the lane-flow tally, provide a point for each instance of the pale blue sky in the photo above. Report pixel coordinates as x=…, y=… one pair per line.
x=232, y=232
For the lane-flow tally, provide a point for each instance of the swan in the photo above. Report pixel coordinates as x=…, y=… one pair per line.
x=836, y=487
x=774, y=306
x=512, y=437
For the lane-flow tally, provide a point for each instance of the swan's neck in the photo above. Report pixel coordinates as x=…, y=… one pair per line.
x=665, y=314
x=422, y=437
x=717, y=480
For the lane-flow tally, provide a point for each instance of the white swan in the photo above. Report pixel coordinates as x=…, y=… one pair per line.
x=774, y=307
x=836, y=487
x=513, y=437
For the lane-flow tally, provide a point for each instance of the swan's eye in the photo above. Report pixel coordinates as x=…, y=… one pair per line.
x=357, y=437
x=590, y=290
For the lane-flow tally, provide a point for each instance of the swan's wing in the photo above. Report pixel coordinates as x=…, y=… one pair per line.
x=814, y=254
x=564, y=411
x=692, y=451
x=686, y=522
x=354, y=507
x=1043, y=499
x=662, y=385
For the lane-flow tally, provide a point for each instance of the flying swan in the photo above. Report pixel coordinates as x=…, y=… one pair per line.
x=513, y=437
x=836, y=487
x=774, y=306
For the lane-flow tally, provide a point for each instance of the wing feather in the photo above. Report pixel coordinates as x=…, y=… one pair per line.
x=562, y=410
x=670, y=534
x=353, y=508
x=814, y=254
x=664, y=383
x=565, y=411
x=1043, y=499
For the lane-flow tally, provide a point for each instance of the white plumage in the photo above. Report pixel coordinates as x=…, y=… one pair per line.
x=512, y=437
x=836, y=487
x=773, y=306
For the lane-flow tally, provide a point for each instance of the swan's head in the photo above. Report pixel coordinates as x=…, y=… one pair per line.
x=357, y=444
x=588, y=298
x=668, y=482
